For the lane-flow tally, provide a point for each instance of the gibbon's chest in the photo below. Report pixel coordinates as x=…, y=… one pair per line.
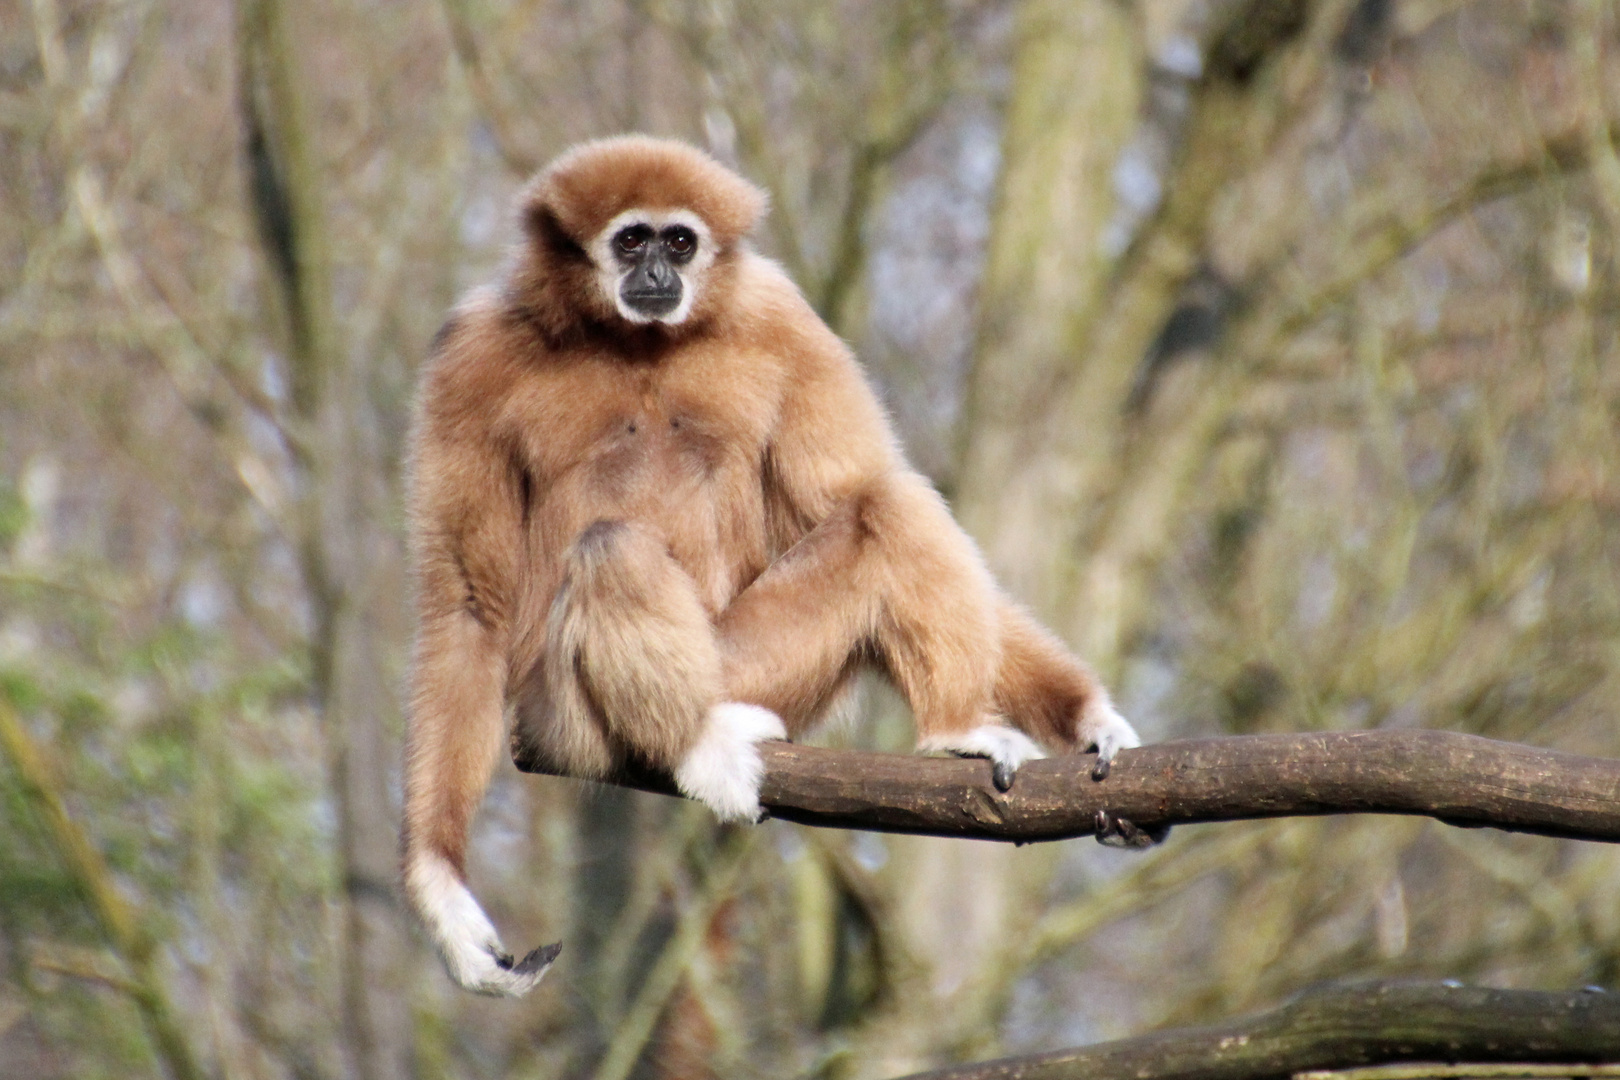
x=619, y=430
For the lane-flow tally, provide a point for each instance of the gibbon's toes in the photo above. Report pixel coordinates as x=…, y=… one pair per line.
x=1114, y=831
x=1101, y=727
x=1007, y=748
x=723, y=770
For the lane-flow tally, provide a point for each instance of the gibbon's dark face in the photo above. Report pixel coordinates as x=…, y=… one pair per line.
x=652, y=264
x=652, y=261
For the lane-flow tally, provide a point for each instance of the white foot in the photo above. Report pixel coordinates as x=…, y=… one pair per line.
x=1102, y=727
x=466, y=940
x=1007, y=748
x=723, y=770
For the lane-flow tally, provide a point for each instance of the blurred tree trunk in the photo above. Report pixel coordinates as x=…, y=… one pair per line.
x=342, y=527
x=1077, y=83
x=1067, y=480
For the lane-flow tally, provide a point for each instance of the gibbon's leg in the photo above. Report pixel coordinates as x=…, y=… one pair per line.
x=632, y=668
x=1057, y=699
x=1054, y=696
x=454, y=740
x=888, y=575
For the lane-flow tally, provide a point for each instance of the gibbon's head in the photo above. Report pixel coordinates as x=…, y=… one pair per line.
x=636, y=229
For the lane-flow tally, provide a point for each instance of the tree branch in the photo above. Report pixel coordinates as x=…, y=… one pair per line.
x=1463, y=780
x=1338, y=1027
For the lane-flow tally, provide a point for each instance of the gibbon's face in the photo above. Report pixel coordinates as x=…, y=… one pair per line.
x=652, y=262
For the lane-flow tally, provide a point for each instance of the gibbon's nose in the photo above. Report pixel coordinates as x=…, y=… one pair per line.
x=661, y=276
x=653, y=289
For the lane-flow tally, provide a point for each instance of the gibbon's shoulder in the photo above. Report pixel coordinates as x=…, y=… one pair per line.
x=473, y=360
x=770, y=314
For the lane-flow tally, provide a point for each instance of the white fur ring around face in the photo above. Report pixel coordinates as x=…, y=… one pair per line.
x=1007, y=748
x=1101, y=726
x=723, y=770
x=464, y=936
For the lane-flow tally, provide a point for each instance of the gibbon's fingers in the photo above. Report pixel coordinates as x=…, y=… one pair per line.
x=723, y=770
x=1101, y=727
x=537, y=961
x=1115, y=831
x=466, y=940
x=1007, y=748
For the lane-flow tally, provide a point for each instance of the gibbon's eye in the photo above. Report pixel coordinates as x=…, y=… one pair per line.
x=682, y=241
x=632, y=239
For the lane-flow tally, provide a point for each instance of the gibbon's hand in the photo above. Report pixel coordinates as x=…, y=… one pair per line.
x=464, y=936
x=723, y=769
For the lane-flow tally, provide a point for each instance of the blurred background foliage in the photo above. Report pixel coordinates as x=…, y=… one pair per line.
x=1269, y=348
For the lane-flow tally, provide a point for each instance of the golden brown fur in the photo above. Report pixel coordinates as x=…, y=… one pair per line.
x=618, y=527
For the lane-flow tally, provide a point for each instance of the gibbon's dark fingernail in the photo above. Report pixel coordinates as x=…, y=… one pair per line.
x=538, y=959
x=1002, y=773
x=1101, y=824
x=1099, y=771
x=503, y=960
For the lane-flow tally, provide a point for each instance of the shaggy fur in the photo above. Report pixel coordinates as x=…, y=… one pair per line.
x=639, y=539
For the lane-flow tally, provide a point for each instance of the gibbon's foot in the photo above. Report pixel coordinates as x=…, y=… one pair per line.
x=467, y=942
x=1101, y=727
x=1113, y=831
x=723, y=770
x=1007, y=748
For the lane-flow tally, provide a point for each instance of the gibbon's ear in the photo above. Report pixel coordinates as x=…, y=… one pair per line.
x=587, y=187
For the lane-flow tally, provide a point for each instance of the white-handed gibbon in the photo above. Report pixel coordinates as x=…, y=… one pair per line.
x=658, y=515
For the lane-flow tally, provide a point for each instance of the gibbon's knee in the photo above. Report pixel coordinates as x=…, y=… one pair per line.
x=631, y=664
x=792, y=640
x=599, y=541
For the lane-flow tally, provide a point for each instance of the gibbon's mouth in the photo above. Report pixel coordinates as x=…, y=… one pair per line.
x=652, y=303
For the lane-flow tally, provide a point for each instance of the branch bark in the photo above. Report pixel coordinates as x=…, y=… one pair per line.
x=1338, y=1027
x=1463, y=780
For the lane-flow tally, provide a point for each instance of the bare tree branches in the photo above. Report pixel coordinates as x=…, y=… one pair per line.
x=1337, y=1027
x=1460, y=779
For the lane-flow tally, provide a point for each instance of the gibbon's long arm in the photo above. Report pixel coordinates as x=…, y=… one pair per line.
x=832, y=436
x=468, y=521
x=874, y=567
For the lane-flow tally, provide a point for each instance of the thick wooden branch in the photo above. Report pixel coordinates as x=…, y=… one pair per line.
x=1336, y=1028
x=1460, y=779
